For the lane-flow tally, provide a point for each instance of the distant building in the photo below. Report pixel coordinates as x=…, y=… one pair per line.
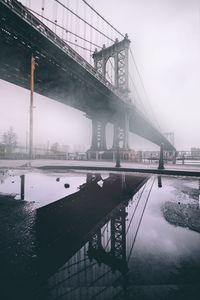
x=65, y=148
x=78, y=148
x=2, y=150
x=195, y=152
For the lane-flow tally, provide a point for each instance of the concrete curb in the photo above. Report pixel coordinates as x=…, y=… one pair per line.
x=131, y=170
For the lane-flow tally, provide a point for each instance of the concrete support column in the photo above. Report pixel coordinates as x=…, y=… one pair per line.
x=98, y=135
x=94, y=145
x=116, y=137
x=103, y=136
x=126, y=132
x=121, y=134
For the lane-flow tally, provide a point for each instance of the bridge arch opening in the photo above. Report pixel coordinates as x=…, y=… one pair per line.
x=110, y=70
x=109, y=135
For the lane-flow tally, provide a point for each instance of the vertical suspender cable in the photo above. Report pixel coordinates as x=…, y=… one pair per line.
x=103, y=27
x=54, y=15
x=76, y=23
x=96, y=12
x=63, y=22
x=91, y=35
x=67, y=36
x=97, y=25
x=43, y=4
x=84, y=31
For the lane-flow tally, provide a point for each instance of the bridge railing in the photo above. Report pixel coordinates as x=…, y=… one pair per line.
x=30, y=18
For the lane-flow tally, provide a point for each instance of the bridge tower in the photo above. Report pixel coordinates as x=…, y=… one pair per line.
x=119, y=52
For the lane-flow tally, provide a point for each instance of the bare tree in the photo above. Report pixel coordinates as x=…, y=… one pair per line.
x=10, y=140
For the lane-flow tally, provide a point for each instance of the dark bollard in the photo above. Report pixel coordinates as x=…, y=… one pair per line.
x=174, y=157
x=117, y=158
x=161, y=159
x=159, y=181
x=22, y=177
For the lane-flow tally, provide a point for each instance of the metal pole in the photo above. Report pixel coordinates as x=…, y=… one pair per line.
x=159, y=181
x=31, y=108
x=118, y=158
x=22, y=177
x=161, y=159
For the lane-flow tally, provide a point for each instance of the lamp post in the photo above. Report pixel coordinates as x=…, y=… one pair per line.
x=31, y=108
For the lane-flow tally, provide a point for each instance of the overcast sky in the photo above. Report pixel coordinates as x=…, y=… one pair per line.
x=165, y=39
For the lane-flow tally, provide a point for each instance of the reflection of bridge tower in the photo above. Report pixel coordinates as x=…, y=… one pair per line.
x=118, y=235
x=116, y=257
x=119, y=52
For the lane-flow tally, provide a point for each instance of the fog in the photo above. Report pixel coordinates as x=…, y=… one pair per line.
x=165, y=39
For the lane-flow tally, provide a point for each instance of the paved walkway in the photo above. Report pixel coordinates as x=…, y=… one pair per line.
x=185, y=170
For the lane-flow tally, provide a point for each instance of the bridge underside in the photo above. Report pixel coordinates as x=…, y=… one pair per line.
x=61, y=78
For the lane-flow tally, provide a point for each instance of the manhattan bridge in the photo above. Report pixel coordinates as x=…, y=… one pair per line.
x=81, y=60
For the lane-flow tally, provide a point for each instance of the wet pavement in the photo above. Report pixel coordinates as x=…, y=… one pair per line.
x=76, y=235
x=38, y=163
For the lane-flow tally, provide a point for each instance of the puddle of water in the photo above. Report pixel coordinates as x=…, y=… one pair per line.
x=41, y=188
x=147, y=247
x=159, y=257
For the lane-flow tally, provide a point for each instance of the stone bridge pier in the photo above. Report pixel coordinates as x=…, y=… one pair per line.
x=98, y=149
x=98, y=141
x=121, y=138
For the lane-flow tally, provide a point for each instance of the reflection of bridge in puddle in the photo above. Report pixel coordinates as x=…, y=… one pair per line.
x=98, y=248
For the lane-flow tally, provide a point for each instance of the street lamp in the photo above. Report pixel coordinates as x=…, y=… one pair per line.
x=31, y=108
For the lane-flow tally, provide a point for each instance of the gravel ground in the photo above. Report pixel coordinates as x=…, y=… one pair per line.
x=17, y=248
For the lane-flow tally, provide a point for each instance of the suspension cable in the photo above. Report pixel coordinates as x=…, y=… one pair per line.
x=77, y=45
x=138, y=227
x=137, y=93
x=134, y=211
x=103, y=18
x=145, y=92
x=63, y=5
x=52, y=22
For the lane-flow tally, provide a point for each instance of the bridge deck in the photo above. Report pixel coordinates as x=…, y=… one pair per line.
x=62, y=74
x=170, y=169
